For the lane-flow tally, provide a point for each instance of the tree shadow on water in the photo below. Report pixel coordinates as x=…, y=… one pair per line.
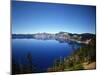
x=19, y=68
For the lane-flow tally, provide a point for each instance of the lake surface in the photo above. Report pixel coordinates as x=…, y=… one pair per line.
x=44, y=52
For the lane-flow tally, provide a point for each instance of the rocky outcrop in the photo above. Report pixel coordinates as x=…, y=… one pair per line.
x=61, y=37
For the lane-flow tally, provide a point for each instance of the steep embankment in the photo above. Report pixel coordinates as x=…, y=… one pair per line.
x=82, y=59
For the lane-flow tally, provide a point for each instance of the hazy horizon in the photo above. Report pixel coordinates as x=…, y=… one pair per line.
x=51, y=33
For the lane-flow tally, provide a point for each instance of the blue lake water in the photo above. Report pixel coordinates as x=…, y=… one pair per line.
x=44, y=52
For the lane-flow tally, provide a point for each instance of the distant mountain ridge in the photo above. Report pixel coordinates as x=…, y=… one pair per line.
x=61, y=36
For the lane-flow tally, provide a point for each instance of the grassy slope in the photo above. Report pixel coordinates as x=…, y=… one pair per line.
x=82, y=58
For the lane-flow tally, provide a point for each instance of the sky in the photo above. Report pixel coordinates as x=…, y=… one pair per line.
x=37, y=17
